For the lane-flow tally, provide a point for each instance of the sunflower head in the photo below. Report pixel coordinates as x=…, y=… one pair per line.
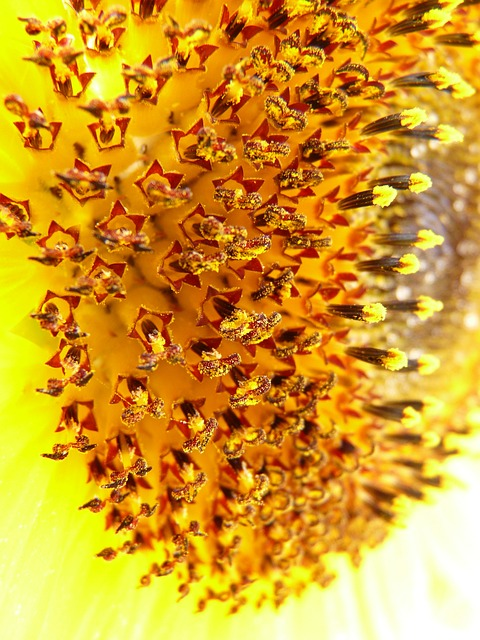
x=252, y=225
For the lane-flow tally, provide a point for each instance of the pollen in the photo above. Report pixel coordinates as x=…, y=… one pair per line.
x=225, y=206
x=383, y=196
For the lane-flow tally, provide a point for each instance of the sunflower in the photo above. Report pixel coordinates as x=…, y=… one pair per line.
x=240, y=292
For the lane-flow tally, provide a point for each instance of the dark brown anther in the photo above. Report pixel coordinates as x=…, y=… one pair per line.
x=318, y=98
x=119, y=479
x=190, y=490
x=61, y=451
x=315, y=149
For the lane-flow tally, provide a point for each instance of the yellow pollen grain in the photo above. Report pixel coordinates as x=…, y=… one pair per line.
x=395, y=359
x=411, y=118
x=446, y=133
x=428, y=364
x=384, y=195
x=427, y=307
x=374, y=312
x=408, y=264
x=419, y=182
x=427, y=239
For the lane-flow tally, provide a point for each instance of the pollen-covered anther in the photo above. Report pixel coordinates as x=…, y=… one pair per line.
x=237, y=198
x=253, y=487
x=423, y=239
x=391, y=359
x=119, y=479
x=294, y=342
x=415, y=182
x=280, y=288
x=138, y=403
x=248, y=327
x=298, y=178
x=166, y=195
x=213, y=365
x=371, y=313
x=247, y=249
x=381, y=195
x=211, y=228
x=250, y=392
x=408, y=118
x=261, y=152
x=300, y=57
x=406, y=265
x=130, y=521
x=211, y=148
x=61, y=451
x=286, y=219
x=195, y=261
x=191, y=488
x=75, y=365
x=284, y=117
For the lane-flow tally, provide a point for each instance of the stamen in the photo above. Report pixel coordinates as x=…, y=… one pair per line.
x=423, y=239
x=391, y=359
x=381, y=195
x=406, y=264
x=409, y=118
x=370, y=313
